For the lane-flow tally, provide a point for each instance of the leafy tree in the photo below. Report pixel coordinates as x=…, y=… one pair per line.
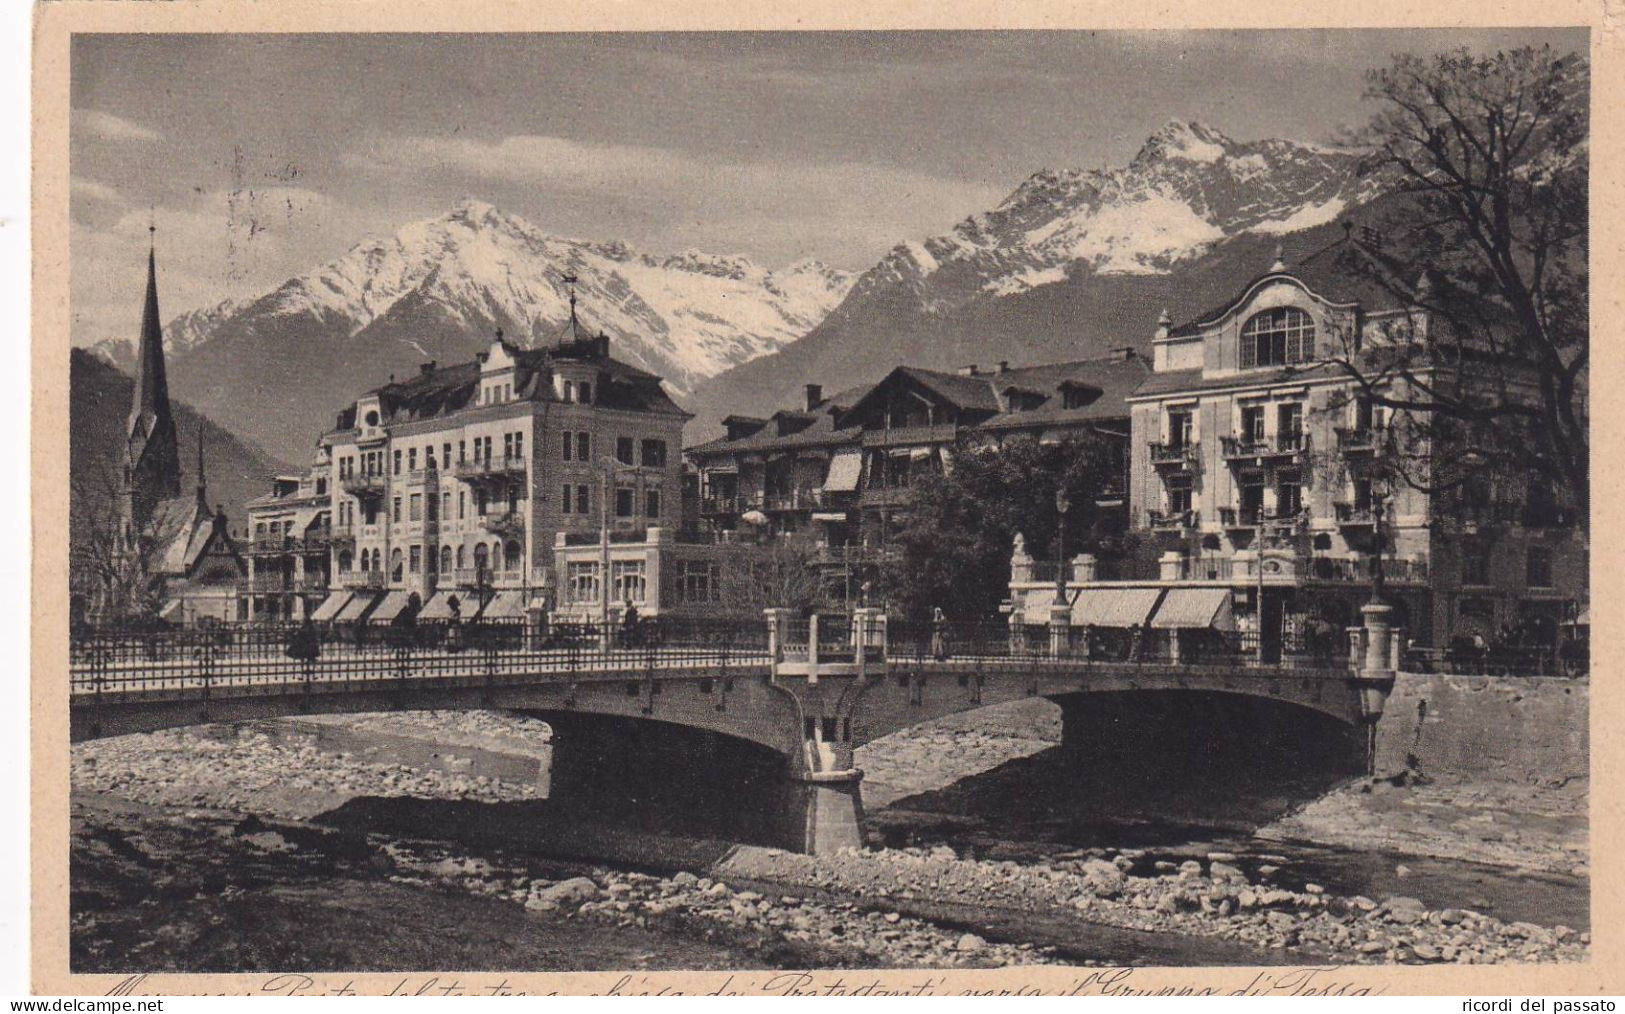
x=1490, y=153
x=954, y=546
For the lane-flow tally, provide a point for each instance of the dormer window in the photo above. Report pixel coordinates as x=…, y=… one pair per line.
x=1277, y=337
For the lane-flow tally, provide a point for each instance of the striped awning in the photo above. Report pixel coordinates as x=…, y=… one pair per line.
x=357, y=607
x=439, y=605
x=1194, y=608
x=394, y=601
x=1113, y=607
x=330, y=606
x=508, y=604
x=845, y=468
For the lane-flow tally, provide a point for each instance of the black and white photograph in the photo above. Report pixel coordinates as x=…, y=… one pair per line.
x=726, y=501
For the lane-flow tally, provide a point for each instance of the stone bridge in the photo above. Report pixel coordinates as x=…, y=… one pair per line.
x=808, y=693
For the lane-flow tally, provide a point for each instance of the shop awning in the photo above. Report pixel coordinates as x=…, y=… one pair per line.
x=1194, y=608
x=508, y=604
x=836, y=516
x=919, y=454
x=330, y=606
x=439, y=605
x=394, y=601
x=1113, y=607
x=357, y=607
x=844, y=470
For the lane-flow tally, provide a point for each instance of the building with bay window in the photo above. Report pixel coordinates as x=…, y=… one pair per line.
x=445, y=492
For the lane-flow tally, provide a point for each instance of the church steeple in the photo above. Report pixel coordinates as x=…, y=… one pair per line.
x=151, y=382
x=153, y=462
x=202, y=485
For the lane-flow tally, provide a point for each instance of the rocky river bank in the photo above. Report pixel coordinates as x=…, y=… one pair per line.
x=957, y=886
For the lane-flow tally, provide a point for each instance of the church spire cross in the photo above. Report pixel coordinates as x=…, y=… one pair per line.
x=570, y=279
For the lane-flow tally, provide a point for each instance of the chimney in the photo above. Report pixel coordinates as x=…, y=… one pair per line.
x=426, y=368
x=815, y=394
x=1004, y=366
x=1164, y=323
x=969, y=371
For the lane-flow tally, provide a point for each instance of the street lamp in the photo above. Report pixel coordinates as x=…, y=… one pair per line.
x=1062, y=505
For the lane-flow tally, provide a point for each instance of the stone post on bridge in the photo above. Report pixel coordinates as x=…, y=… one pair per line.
x=778, y=621
x=1374, y=658
x=1060, y=629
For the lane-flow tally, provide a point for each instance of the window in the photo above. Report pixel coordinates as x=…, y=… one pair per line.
x=1288, y=494
x=1289, y=425
x=623, y=450
x=1252, y=424
x=445, y=559
x=624, y=503
x=395, y=515
x=654, y=453
x=445, y=505
x=583, y=582
x=479, y=502
x=1179, y=494
x=507, y=446
x=1180, y=429
x=462, y=504
x=445, y=454
x=512, y=556
x=1475, y=562
x=395, y=565
x=415, y=508
x=412, y=460
x=519, y=445
x=1252, y=498
x=344, y=561
x=482, y=558
x=651, y=503
x=568, y=446
x=564, y=501
x=1362, y=493
x=416, y=559
x=583, y=499
x=698, y=582
x=584, y=392
x=321, y=487
x=397, y=462
x=462, y=447
x=627, y=581
x=583, y=446
x=428, y=457
x=1538, y=567
x=1277, y=337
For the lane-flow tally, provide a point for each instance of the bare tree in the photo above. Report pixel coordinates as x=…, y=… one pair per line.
x=780, y=574
x=1488, y=382
x=111, y=568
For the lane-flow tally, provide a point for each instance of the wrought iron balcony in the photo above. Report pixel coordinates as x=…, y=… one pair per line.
x=1244, y=448
x=1359, y=570
x=1173, y=521
x=1355, y=515
x=363, y=485
x=363, y=579
x=489, y=469
x=1240, y=517
x=506, y=523
x=1358, y=439
x=1181, y=455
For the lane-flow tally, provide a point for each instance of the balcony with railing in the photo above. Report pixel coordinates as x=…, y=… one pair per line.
x=266, y=584
x=1253, y=448
x=488, y=577
x=1359, y=570
x=490, y=469
x=886, y=496
x=713, y=506
x=363, y=579
x=1240, y=517
x=369, y=485
x=911, y=436
x=1355, y=515
x=794, y=500
x=1358, y=439
x=1175, y=455
x=1173, y=521
x=508, y=523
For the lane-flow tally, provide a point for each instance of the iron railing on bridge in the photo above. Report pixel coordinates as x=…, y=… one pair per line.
x=110, y=660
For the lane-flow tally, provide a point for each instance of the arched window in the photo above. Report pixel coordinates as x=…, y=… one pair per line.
x=482, y=557
x=510, y=556
x=344, y=561
x=396, y=566
x=445, y=559
x=1277, y=337
x=459, y=557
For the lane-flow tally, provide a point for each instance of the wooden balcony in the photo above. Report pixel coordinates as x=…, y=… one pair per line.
x=886, y=496
x=911, y=436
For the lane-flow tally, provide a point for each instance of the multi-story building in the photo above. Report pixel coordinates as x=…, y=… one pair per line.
x=839, y=471
x=452, y=486
x=289, y=546
x=1265, y=476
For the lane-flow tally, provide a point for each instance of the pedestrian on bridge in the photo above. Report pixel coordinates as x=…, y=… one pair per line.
x=304, y=646
x=629, y=625
x=939, y=634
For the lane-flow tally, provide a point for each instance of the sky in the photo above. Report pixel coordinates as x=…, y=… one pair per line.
x=261, y=156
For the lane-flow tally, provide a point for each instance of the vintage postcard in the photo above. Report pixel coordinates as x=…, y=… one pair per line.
x=1054, y=503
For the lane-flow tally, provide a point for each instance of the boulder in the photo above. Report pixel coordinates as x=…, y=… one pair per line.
x=969, y=943
x=564, y=894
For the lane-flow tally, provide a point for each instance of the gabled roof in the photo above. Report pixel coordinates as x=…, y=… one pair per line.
x=1114, y=377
